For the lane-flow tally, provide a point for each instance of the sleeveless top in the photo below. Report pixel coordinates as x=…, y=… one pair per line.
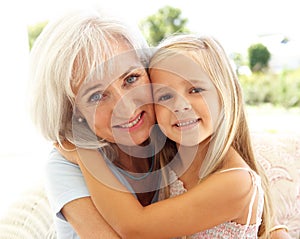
x=228, y=230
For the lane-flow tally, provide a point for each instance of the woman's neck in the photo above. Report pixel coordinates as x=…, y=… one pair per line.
x=127, y=160
x=132, y=164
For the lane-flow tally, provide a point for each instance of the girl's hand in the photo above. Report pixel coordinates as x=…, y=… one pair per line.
x=280, y=234
x=68, y=150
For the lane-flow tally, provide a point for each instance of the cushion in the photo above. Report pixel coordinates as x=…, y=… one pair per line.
x=29, y=217
x=279, y=154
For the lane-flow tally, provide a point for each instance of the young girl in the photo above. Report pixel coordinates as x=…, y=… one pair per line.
x=199, y=106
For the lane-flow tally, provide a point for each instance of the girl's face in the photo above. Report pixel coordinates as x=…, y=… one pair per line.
x=119, y=107
x=186, y=101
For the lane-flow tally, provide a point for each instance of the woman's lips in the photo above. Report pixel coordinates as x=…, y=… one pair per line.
x=131, y=123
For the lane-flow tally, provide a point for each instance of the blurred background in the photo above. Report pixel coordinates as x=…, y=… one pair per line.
x=261, y=37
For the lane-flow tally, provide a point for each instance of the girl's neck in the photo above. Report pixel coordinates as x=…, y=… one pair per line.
x=191, y=162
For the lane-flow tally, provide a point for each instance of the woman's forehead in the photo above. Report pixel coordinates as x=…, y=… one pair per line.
x=121, y=61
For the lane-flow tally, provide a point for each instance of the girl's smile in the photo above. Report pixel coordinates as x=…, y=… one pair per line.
x=186, y=101
x=186, y=124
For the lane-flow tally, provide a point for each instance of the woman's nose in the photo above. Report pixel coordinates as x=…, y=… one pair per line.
x=124, y=103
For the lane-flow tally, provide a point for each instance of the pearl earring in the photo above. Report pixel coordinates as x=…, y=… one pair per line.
x=80, y=120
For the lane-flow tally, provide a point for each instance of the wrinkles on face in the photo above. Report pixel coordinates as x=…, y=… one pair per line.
x=115, y=103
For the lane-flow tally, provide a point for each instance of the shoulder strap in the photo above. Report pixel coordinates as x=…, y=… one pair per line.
x=255, y=183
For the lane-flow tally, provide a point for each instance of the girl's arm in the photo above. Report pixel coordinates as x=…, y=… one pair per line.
x=80, y=212
x=219, y=198
x=87, y=221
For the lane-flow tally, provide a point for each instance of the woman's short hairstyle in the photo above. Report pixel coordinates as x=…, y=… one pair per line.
x=64, y=55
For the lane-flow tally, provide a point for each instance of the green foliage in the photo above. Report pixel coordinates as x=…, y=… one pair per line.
x=165, y=22
x=259, y=57
x=281, y=89
x=238, y=60
x=34, y=31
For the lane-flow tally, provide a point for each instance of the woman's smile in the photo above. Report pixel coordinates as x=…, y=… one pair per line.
x=133, y=123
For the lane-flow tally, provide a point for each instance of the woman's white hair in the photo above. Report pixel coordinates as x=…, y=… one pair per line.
x=64, y=55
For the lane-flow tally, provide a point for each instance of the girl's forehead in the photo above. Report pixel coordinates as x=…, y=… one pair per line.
x=178, y=66
x=161, y=79
x=175, y=63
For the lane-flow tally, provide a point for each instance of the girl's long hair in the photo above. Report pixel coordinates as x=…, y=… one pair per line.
x=232, y=128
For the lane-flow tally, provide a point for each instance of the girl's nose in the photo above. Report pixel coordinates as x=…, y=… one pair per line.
x=181, y=105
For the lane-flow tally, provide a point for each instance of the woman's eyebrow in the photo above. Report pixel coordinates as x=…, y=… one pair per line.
x=99, y=85
x=86, y=91
x=129, y=70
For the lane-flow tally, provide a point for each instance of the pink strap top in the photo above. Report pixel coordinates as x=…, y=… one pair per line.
x=230, y=230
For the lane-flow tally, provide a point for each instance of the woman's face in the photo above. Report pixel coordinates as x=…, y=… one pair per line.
x=119, y=107
x=186, y=101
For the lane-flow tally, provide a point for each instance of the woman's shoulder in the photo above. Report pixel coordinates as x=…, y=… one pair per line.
x=57, y=164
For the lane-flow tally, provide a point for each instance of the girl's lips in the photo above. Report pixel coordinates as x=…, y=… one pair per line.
x=131, y=123
x=186, y=124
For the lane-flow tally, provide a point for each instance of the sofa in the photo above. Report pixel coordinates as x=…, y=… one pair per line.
x=279, y=154
x=30, y=216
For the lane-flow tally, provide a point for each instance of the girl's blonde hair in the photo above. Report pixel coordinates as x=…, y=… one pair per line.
x=64, y=55
x=232, y=128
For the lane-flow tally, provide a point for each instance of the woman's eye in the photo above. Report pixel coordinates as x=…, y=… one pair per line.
x=96, y=97
x=131, y=79
x=164, y=97
x=196, y=90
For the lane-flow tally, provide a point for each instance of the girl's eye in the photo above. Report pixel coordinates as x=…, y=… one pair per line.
x=196, y=90
x=131, y=79
x=164, y=97
x=96, y=97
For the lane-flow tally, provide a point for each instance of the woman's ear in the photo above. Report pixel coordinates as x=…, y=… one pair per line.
x=78, y=116
x=82, y=134
x=80, y=119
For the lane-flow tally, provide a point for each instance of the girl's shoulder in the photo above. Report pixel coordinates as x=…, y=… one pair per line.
x=244, y=175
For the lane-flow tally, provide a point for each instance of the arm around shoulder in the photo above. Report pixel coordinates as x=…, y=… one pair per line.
x=87, y=221
x=70, y=199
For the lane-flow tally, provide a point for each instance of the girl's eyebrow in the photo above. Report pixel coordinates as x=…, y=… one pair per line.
x=194, y=81
x=159, y=89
